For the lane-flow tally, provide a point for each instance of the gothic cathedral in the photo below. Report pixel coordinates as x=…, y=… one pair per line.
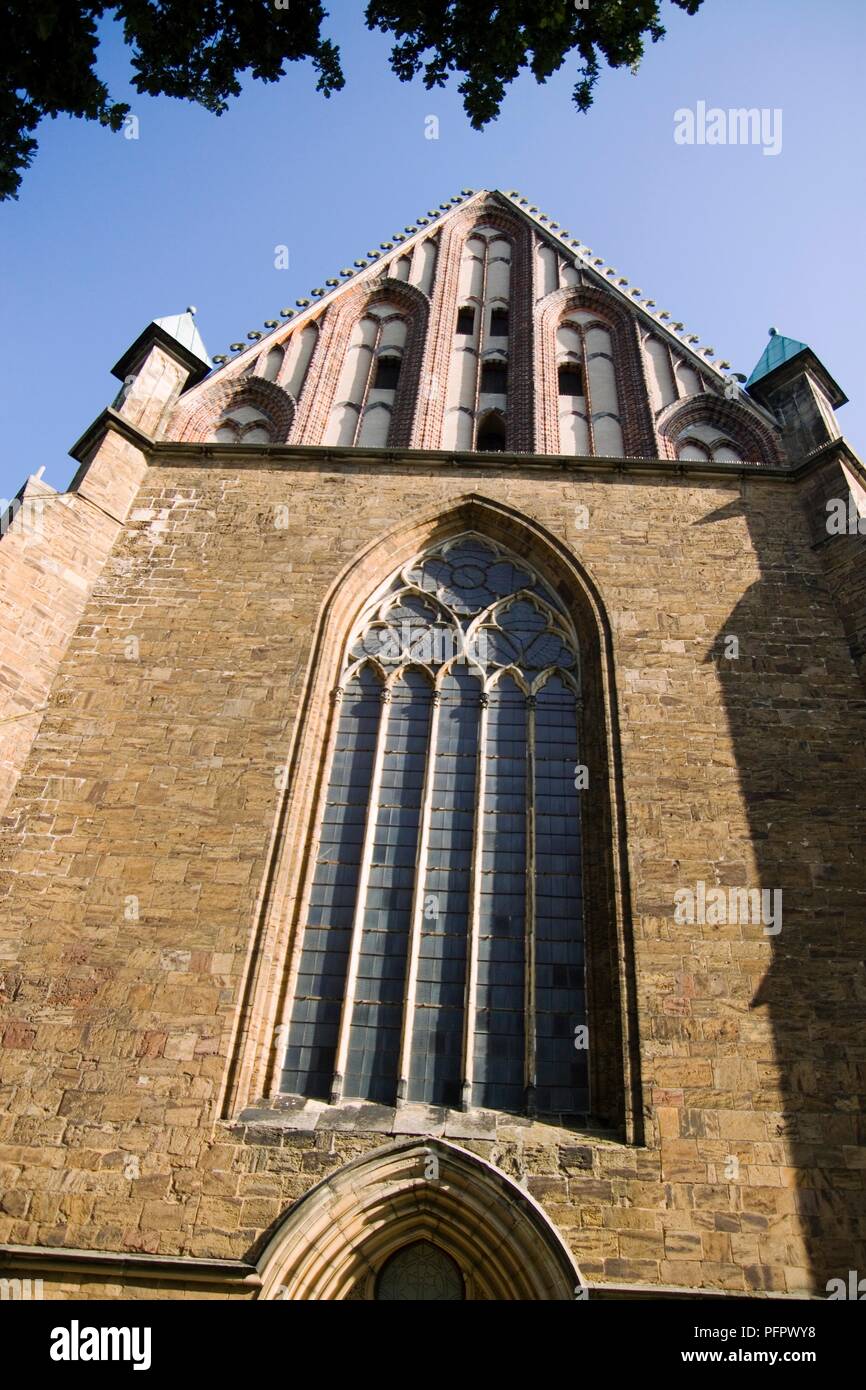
x=433, y=769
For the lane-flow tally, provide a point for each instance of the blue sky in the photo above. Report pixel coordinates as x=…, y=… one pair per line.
x=110, y=233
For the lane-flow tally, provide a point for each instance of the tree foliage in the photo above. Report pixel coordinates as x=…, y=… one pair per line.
x=492, y=41
x=199, y=49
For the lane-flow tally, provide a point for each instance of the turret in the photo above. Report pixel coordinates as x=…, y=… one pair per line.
x=795, y=386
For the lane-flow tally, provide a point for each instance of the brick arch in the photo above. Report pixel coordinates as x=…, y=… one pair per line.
x=445, y=304
x=756, y=441
x=194, y=423
x=323, y=374
x=267, y=989
x=639, y=439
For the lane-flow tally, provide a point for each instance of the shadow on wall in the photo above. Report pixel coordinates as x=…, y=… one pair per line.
x=797, y=718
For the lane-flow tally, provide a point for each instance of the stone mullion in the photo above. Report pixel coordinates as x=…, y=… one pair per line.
x=474, y=910
x=360, y=904
x=273, y=1065
x=414, y=950
x=530, y=1066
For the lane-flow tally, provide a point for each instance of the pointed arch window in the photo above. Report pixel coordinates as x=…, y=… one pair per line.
x=442, y=958
x=491, y=434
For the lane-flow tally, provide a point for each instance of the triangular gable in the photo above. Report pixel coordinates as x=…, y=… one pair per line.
x=571, y=249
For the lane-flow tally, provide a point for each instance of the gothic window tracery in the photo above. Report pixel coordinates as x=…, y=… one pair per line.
x=442, y=956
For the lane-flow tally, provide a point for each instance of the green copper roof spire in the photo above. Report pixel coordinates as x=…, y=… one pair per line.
x=778, y=350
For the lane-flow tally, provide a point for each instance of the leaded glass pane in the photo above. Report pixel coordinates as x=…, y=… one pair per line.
x=309, y=1064
x=499, y=1032
x=437, y=1035
x=374, y=1037
x=560, y=999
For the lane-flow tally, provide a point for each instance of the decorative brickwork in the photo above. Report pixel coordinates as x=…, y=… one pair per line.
x=195, y=420
x=327, y=364
x=756, y=440
x=632, y=392
x=443, y=319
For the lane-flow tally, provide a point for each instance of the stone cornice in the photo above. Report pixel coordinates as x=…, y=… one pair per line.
x=109, y=420
x=168, y=453
x=184, y=1269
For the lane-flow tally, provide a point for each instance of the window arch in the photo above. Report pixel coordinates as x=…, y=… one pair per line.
x=234, y=410
x=491, y=434
x=442, y=959
x=710, y=427
x=243, y=424
x=701, y=443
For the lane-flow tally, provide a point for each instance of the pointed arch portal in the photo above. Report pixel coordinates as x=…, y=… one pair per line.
x=460, y=690
x=339, y=1240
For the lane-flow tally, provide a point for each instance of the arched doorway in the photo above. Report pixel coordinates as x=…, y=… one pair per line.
x=418, y=1220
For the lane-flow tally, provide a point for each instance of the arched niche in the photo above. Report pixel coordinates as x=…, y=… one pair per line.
x=754, y=441
x=614, y=1068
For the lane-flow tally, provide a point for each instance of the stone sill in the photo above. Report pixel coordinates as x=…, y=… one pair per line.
x=302, y=1115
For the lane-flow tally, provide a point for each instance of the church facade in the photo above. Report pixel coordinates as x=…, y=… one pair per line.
x=432, y=750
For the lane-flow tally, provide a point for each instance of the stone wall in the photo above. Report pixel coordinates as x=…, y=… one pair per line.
x=141, y=830
x=50, y=555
